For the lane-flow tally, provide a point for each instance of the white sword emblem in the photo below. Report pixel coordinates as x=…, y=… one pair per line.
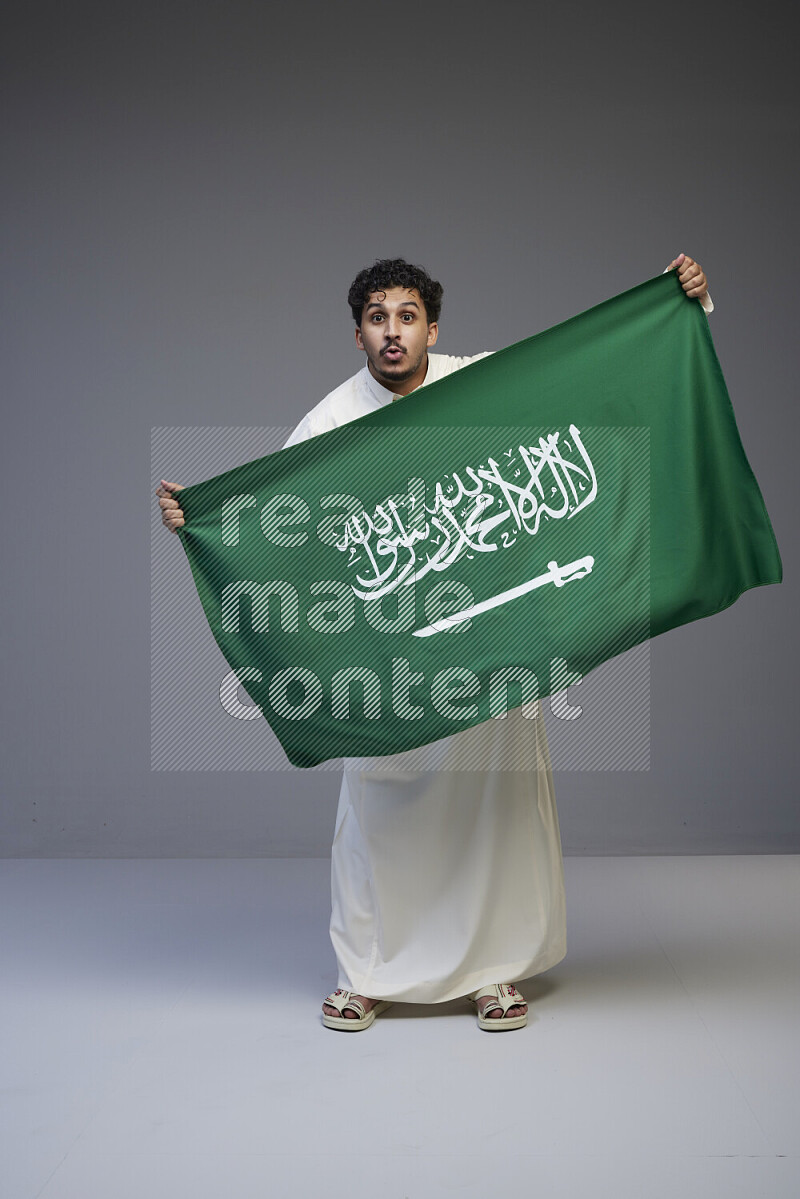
x=558, y=575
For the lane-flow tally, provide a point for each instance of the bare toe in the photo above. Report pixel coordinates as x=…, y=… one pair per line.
x=349, y=1013
x=497, y=1014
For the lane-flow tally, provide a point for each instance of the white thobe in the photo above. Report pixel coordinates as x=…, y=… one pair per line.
x=449, y=878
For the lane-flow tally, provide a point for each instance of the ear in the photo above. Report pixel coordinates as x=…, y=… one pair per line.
x=433, y=333
x=359, y=339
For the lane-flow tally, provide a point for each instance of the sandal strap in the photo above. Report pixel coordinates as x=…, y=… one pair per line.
x=503, y=997
x=341, y=999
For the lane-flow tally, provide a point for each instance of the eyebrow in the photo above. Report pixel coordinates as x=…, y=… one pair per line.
x=379, y=304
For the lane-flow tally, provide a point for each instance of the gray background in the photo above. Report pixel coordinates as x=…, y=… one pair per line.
x=188, y=190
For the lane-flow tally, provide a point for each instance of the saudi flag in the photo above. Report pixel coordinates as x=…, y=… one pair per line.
x=474, y=546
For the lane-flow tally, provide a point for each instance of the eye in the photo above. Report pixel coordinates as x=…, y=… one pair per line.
x=408, y=317
x=377, y=316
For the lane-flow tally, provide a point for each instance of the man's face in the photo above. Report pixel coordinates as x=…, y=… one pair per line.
x=395, y=335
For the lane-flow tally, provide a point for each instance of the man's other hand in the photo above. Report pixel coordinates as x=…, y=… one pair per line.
x=171, y=512
x=691, y=276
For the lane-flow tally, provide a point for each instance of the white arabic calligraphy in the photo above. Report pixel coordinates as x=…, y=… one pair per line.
x=390, y=549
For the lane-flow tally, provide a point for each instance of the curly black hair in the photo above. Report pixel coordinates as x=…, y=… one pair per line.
x=394, y=272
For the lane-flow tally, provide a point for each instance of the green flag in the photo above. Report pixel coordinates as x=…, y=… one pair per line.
x=486, y=539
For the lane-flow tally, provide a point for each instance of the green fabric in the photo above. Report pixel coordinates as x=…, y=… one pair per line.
x=629, y=472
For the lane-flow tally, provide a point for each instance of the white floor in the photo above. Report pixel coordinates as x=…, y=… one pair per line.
x=162, y=1041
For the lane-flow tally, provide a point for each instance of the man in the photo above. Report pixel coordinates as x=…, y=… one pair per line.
x=446, y=881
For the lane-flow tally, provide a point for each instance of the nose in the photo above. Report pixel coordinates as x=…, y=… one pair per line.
x=392, y=328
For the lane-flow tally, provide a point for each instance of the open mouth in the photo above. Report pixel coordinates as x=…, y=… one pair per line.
x=393, y=353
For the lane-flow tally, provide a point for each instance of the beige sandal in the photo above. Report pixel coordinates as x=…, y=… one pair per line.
x=504, y=996
x=346, y=999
